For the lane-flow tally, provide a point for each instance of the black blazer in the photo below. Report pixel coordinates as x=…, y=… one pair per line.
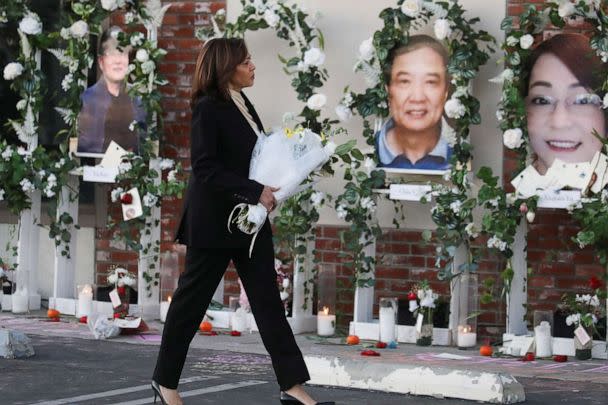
x=220, y=151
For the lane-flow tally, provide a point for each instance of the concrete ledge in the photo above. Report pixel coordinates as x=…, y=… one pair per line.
x=435, y=381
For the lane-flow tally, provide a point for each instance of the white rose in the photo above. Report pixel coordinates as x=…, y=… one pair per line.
x=369, y=164
x=129, y=17
x=115, y=194
x=13, y=70
x=221, y=12
x=366, y=49
x=172, y=176
x=136, y=39
x=566, y=9
x=454, y=108
x=271, y=18
x=166, y=164
x=142, y=55
x=341, y=212
x=513, y=138
x=530, y=215
x=314, y=57
x=30, y=24
x=316, y=101
x=411, y=8
x=330, y=148
x=124, y=167
x=442, y=29
x=343, y=112
x=285, y=283
x=79, y=29
x=368, y=204
x=26, y=185
x=284, y=295
x=109, y=5
x=526, y=41
x=472, y=230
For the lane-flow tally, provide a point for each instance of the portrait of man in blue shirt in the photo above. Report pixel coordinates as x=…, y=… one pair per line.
x=415, y=135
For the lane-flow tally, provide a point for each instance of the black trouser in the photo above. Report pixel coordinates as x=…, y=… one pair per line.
x=204, y=270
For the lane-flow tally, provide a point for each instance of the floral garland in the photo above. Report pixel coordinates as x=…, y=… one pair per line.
x=453, y=210
x=506, y=210
x=294, y=222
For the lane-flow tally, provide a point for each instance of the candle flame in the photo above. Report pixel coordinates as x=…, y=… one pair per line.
x=169, y=298
x=466, y=329
x=87, y=289
x=325, y=310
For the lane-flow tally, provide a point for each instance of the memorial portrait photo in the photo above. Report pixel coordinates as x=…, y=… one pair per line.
x=418, y=88
x=108, y=111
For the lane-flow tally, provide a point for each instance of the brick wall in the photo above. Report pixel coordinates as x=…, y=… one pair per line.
x=557, y=264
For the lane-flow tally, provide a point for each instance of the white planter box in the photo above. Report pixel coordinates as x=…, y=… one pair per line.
x=405, y=334
x=565, y=346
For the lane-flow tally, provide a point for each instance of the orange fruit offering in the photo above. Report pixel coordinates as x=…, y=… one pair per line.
x=52, y=313
x=352, y=340
x=206, y=326
x=486, y=350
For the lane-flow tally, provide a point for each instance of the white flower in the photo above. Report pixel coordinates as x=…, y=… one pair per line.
x=455, y=206
x=530, y=215
x=506, y=76
x=285, y=282
x=566, y=9
x=513, y=138
x=271, y=18
x=343, y=112
x=21, y=104
x=142, y=55
x=314, y=57
x=150, y=200
x=66, y=83
x=148, y=67
x=512, y=41
x=449, y=135
x=112, y=278
x=166, y=164
x=454, y=108
x=341, y=212
x=316, y=101
x=48, y=191
x=124, y=167
x=256, y=214
x=26, y=185
x=442, y=29
x=3, y=17
x=369, y=164
x=368, y=204
x=127, y=280
x=79, y=29
x=13, y=70
x=413, y=305
x=573, y=319
x=316, y=199
x=367, y=50
x=284, y=295
x=330, y=148
x=472, y=230
x=605, y=103
x=30, y=24
x=65, y=33
x=526, y=41
x=109, y=5
x=1, y=198
x=136, y=39
x=7, y=153
x=21, y=151
x=172, y=176
x=495, y=242
x=129, y=17
x=411, y=8
x=115, y=194
x=221, y=12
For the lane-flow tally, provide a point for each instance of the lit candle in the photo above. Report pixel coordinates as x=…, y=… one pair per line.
x=326, y=323
x=542, y=336
x=164, y=308
x=20, y=301
x=466, y=338
x=85, y=301
x=387, y=324
x=7, y=302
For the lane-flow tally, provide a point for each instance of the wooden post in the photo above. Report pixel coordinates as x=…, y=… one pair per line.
x=364, y=296
x=65, y=267
x=518, y=294
x=460, y=257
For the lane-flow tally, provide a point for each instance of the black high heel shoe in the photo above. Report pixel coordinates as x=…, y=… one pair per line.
x=287, y=399
x=156, y=389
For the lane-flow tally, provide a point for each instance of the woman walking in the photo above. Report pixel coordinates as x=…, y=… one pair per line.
x=225, y=128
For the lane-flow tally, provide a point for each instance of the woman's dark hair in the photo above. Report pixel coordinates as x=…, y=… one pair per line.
x=414, y=43
x=215, y=66
x=108, y=40
x=575, y=52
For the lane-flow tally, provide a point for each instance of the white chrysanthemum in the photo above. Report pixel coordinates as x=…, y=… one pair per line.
x=314, y=57
x=142, y=55
x=442, y=29
x=115, y=194
x=67, y=81
x=109, y=5
x=316, y=199
x=456, y=206
x=513, y=138
x=26, y=185
x=7, y=153
x=79, y=29
x=449, y=135
x=411, y=8
x=166, y=164
x=454, y=108
x=369, y=165
x=316, y=101
x=30, y=24
x=566, y=9
x=13, y=70
x=341, y=212
x=472, y=230
x=271, y=18
x=367, y=203
x=367, y=50
x=130, y=17
x=343, y=112
x=526, y=41
x=124, y=167
x=150, y=200
x=148, y=67
x=136, y=39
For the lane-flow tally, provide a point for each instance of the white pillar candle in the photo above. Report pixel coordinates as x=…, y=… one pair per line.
x=164, y=308
x=85, y=301
x=466, y=338
x=7, y=302
x=326, y=323
x=387, y=324
x=20, y=301
x=240, y=320
x=542, y=336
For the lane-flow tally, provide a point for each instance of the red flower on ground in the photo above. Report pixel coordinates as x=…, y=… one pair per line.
x=83, y=319
x=381, y=345
x=126, y=198
x=372, y=353
x=235, y=333
x=529, y=357
x=595, y=283
x=560, y=358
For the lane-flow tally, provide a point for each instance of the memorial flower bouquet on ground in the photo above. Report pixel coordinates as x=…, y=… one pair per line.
x=284, y=160
x=122, y=280
x=422, y=303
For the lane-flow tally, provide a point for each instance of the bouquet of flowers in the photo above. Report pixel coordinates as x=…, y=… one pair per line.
x=422, y=302
x=284, y=284
x=283, y=159
x=122, y=279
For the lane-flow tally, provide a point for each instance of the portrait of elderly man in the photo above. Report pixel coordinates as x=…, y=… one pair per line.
x=418, y=87
x=107, y=110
